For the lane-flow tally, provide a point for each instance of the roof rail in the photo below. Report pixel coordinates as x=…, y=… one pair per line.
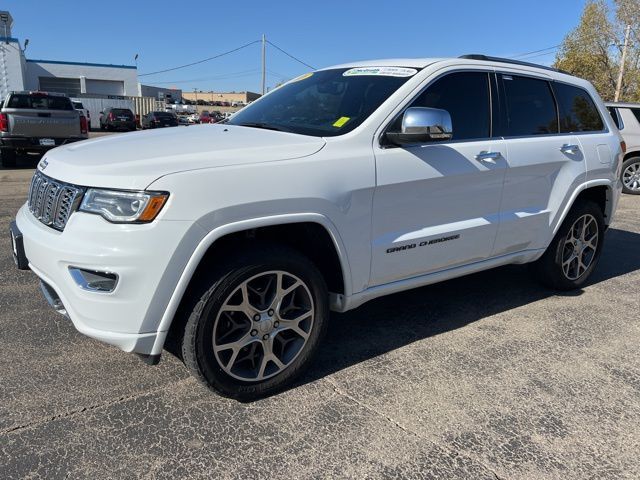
x=475, y=56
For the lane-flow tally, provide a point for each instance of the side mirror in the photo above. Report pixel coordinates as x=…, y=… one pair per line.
x=421, y=125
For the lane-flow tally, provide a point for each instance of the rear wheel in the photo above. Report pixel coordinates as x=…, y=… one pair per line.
x=631, y=176
x=257, y=324
x=575, y=250
x=9, y=158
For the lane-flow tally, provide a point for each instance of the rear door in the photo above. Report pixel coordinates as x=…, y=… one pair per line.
x=544, y=164
x=436, y=205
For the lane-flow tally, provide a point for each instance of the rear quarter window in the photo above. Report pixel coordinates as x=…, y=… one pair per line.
x=578, y=112
x=614, y=116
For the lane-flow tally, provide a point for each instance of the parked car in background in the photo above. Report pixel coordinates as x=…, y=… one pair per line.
x=183, y=120
x=205, y=117
x=194, y=118
x=34, y=122
x=159, y=120
x=626, y=116
x=117, y=119
x=357, y=181
x=79, y=107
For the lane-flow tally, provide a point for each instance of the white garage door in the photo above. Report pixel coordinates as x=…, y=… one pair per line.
x=105, y=87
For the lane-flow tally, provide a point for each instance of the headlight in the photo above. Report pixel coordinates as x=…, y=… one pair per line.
x=123, y=207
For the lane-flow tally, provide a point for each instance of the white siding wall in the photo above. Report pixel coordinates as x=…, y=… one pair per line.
x=11, y=66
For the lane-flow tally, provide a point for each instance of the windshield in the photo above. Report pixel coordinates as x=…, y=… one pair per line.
x=325, y=103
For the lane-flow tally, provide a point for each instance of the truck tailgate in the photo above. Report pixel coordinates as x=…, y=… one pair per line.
x=43, y=124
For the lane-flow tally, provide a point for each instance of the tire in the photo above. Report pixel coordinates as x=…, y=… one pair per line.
x=9, y=158
x=248, y=370
x=630, y=176
x=569, y=260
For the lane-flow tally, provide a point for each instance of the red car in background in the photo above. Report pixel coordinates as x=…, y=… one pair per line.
x=205, y=117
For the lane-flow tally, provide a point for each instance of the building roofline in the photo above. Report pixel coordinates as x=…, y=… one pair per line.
x=84, y=64
x=9, y=39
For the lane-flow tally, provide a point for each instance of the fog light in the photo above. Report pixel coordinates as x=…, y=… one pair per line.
x=94, y=280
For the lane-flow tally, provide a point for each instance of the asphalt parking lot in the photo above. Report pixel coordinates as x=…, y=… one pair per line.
x=484, y=377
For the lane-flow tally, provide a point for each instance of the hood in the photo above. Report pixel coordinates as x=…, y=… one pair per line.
x=134, y=160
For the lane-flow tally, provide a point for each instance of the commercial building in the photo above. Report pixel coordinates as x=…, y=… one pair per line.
x=170, y=95
x=230, y=97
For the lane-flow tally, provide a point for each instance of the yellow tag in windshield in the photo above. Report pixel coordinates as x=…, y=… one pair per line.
x=341, y=121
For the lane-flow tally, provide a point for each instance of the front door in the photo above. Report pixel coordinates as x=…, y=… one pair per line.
x=436, y=205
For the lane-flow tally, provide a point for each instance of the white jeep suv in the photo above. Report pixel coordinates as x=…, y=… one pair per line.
x=232, y=242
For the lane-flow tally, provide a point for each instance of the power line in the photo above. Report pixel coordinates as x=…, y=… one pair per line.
x=291, y=56
x=535, y=51
x=243, y=73
x=201, y=61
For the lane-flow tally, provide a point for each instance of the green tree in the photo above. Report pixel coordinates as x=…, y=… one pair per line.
x=593, y=49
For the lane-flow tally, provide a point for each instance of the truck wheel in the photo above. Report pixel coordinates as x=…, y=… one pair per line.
x=9, y=158
x=257, y=323
x=631, y=176
x=575, y=250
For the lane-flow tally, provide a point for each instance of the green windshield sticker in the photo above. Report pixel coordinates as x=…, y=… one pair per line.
x=382, y=71
x=341, y=121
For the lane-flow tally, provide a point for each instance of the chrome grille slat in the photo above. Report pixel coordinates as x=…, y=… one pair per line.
x=51, y=201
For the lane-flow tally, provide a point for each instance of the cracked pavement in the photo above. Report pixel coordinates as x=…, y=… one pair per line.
x=484, y=377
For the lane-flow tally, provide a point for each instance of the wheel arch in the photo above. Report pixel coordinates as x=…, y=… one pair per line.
x=600, y=191
x=221, y=239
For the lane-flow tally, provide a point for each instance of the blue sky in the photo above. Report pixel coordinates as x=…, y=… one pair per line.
x=167, y=34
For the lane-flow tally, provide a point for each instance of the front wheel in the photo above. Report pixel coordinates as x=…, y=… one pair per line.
x=631, y=176
x=258, y=324
x=575, y=250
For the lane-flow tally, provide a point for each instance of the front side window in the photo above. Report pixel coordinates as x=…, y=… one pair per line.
x=530, y=108
x=326, y=103
x=578, y=113
x=465, y=95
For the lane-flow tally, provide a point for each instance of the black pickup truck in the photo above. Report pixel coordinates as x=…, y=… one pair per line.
x=34, y=122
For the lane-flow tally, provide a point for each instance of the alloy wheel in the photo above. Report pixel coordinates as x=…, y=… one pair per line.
x=580, y=247
x=263, y=326
x=631, y=176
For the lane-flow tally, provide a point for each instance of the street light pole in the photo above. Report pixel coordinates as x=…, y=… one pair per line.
x=622, y=61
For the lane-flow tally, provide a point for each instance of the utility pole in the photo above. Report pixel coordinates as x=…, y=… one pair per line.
x=622, y=61
x=264, y=66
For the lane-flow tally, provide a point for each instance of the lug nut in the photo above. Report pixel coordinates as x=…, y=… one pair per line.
x=270, y=312
x=254, y=333
x=256, y=317
x=275, y=324
x=265, y=337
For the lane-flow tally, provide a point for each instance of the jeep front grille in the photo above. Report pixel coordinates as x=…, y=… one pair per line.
x=51, y=201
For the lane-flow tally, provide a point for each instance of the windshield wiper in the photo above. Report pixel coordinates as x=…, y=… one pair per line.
x=266, y=126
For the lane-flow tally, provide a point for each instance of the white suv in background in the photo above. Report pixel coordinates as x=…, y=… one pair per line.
x=626, y=116
x=232, y=242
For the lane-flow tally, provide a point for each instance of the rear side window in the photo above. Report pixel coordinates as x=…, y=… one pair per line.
x=77, y=105
x=614, y=116
x=530, y=108
x=465, y=95
x=636, y=113
x=578, y=113
x=39, y=102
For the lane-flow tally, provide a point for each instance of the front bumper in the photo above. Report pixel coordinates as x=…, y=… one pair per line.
x=142, y=255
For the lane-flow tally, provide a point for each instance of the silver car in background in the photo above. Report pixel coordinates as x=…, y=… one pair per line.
x=626, y=116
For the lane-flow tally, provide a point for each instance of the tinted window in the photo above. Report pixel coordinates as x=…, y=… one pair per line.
x=40, y=102
x=636, y=113
x=530, y=108
x=77, y=105
x=465, y=95
x=614, y=116
x=578, y=113
x=122, y=112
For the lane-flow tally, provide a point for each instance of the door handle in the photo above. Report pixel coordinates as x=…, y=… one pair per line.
x=571, y=149
x=488, y=157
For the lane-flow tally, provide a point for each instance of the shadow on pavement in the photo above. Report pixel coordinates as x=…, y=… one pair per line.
x=391, y=322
